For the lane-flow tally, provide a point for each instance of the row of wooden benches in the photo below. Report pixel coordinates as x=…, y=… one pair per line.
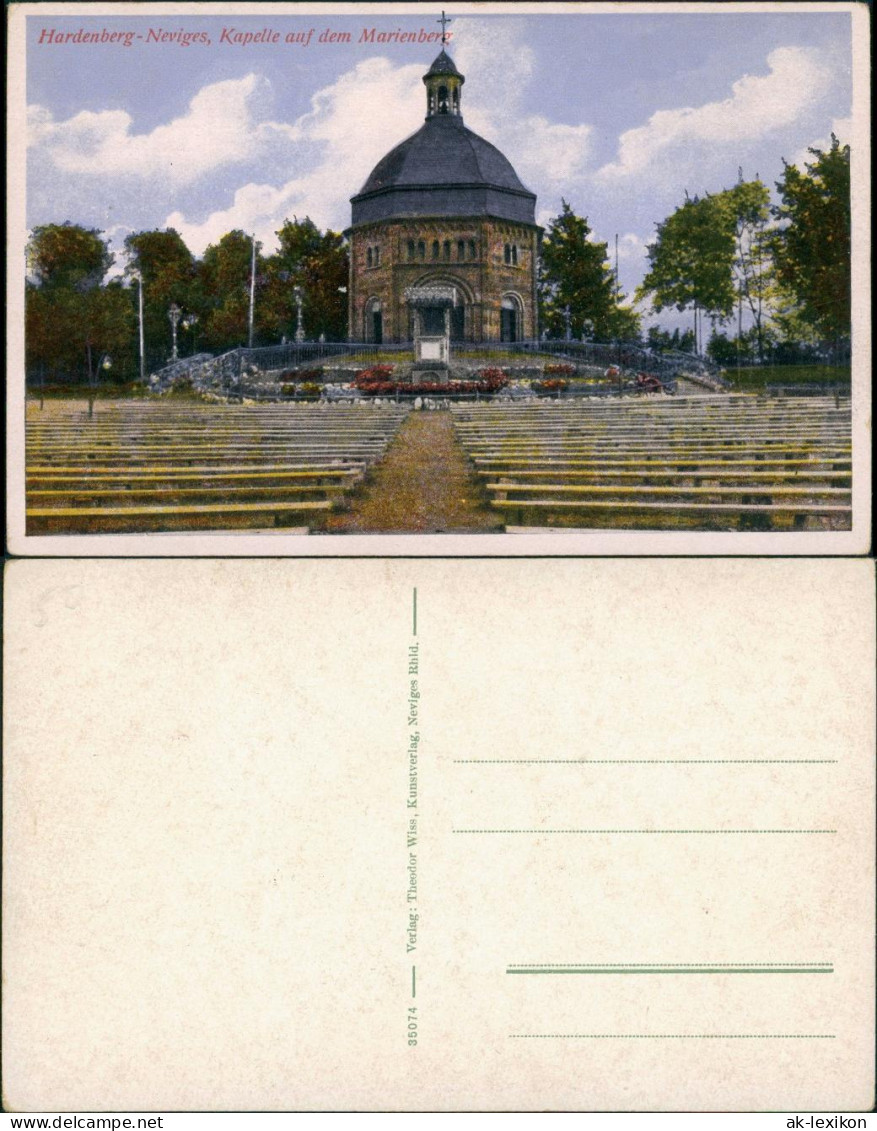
x=746, y=464
x=158, y=468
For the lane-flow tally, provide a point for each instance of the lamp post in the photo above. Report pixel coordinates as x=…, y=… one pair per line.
x=139, y=278
x=189, y=323
x=299, y=326
x=567, y=323
x=105, y=363
x=174, y=313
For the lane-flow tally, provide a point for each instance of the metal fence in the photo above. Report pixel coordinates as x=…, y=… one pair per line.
x=233, y=368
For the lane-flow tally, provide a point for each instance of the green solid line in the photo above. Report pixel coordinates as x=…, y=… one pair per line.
x=650, y=832
x=675, y=970
x=678, y=1036
x=414, y=981
x=414, y=612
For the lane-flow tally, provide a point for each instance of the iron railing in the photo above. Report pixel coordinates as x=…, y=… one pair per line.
x=234, y=367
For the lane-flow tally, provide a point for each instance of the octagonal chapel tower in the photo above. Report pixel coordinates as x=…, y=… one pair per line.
x=444, y=207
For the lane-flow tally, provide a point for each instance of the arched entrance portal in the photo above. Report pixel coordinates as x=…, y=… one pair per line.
x=462, y=327
x=511, y=319
x=373, y=322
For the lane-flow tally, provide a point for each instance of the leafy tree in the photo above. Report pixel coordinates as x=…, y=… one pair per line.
x=53, y=319
x=690, y=262
x=170, y=275
x=67, y=255
x=622, y=324
x=812, y=246
x=747, y=211
x=317, y=263
x=574, y=274
x=71, y=320
x=658, y=339
x=224, y=273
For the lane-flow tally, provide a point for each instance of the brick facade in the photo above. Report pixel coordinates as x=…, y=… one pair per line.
x=473, y=254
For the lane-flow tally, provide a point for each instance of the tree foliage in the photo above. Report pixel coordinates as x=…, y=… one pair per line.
x=66, y=255
x=690, y=262
x=170, y=275
x=318, y=263
x=812, y=245
x=71, y=320
x=747, y=209
x=577, y=290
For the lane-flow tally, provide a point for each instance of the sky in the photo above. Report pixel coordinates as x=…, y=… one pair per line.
x=618, y=113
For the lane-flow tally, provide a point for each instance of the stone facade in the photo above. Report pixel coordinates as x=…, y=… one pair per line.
x=444, y=208
x=485, y=282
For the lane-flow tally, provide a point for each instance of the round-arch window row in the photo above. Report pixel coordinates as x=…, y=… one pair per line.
x=510, y=254
x=442, y=249
x=372, y=257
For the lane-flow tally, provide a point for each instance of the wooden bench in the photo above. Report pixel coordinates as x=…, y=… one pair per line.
x=669, y=515
x=46, y=520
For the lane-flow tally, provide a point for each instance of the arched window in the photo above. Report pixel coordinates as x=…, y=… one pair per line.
x=473, y=251
x=435, y=249
x=443, y=100
x=411, y=249
x=461, y=249
x=447, y=249
x=421, y=249
x=377, y=258
x=456, y=100
x=514, y=255
x=368, y=257
x=507, y=253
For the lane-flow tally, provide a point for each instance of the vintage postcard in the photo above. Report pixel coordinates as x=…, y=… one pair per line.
x=426, y=835
x=494, y=279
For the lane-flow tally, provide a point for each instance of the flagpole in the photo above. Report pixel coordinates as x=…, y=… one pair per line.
x=252, y=291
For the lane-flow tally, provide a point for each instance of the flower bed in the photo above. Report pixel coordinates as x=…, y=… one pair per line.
x=550, y=385
x=375, y=382
x=296, y=376
x=561, y=369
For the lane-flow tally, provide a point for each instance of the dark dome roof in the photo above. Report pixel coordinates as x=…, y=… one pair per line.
x=444, y=169
x=443, y=64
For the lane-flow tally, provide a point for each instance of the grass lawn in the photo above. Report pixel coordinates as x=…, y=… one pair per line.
x=758, y=376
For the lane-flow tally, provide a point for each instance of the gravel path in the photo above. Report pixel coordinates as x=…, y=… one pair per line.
x=422, y=485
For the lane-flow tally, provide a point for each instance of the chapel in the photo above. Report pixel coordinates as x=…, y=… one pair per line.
x=443, y=212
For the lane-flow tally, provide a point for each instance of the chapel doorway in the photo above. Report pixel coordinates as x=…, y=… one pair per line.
x=509, y=321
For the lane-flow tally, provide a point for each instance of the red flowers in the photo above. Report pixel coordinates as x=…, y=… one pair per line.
x=375, y=382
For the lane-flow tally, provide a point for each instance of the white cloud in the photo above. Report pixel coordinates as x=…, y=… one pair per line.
x=351, y=124
x=759, y=104
x=631, y=247
x=330, y=149
x=499, y=66
x=354, y=121
x=221, y=126
x=842, y=128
